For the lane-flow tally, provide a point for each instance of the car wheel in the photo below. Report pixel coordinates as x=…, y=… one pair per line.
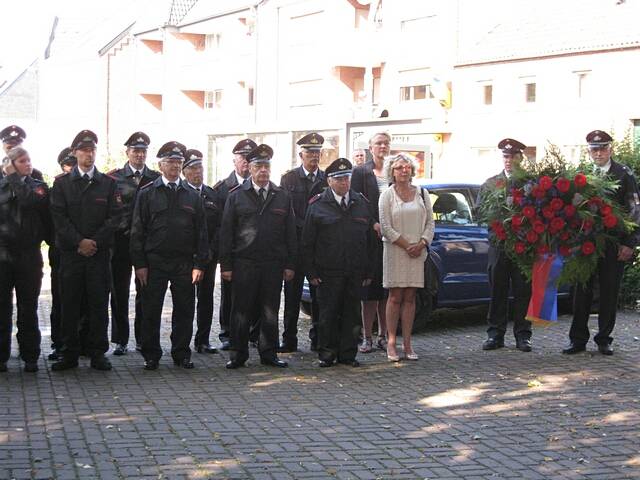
x=306, y=308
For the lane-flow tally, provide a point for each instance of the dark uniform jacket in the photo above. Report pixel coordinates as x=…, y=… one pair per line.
x=166, y=228
x=223, y=187
x=628, y=197
x=82, y=209
x=255, y=233
x=337, y=242
x=489, y=184
x=25, y=220
x=363, y=181
x=125, y=180
x=213, y=209
x=301, y=190
x=37, y=174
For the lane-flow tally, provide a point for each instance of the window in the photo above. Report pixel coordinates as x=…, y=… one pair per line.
x=583, y=81
x=250, y=96
x=451, y=207
x=213, y=99
x=415, y=92
x=212, y=41
x=487, y=91
x=530, y=92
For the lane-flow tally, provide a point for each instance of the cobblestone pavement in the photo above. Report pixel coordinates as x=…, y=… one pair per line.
x=458, y=412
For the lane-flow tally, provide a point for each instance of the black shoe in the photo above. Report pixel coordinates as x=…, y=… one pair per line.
x=274, y=362
x=225, y=345
x=206, y=349
x=326, y=363
x=31, y=367
x=233, y=364
x=184, y=363
x=253, y=343
x=605, y=349
x=120, y=350
x=287, y=347
x=64, y=364
x=101, y=363
x=353, y=363
x=151, y=364
x=53, y=356
x=493, y=343
x=3, y=367
x=574, y=348
x=313, y=347
x=523, y=345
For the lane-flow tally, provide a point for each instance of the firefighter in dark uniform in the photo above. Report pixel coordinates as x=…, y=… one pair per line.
x=237, y=177
x=257, y=251
x=130, y=179
x=86, y=209
x=611, y=266
x=168, y=245
x=193, y=172
x=338, y=246
x=13, y=136
x=502, y=272
x=67, y=161
x=24, y=223
x=302, y=183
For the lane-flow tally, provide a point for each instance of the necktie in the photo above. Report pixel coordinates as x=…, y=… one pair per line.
x=172, y=186
x=343, y=204
x=86, y=178
x=261, y=195
x=137, y=176
x=311, y=177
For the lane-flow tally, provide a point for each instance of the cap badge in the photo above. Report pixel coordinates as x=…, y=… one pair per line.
x=597, y=138
x=342, y=167
x=313, y=140
x=140, y=139
x=175, y=149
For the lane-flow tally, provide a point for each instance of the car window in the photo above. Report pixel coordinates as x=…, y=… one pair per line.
x=452, y=206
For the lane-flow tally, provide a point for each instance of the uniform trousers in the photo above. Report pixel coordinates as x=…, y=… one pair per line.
x=292, y=297
x=256, y=285
x=162, y=272
x=84, y=287
x=224, y=312
x=55, y=318
x=503, y=273
x=609, y=275
x=204, y=310
x=339, y=323
x=121, y=269
x=24, y=274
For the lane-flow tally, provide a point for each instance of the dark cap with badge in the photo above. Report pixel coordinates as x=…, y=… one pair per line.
x=192, y=157
x=84, y=139
x=13, y=135
x=311, y=141
x=173, y=149
x=598, y=138
x=66, y=157
x=511, y=146
x=339, y=168
x=138, y=140
x=261, y=154
x=243, y=147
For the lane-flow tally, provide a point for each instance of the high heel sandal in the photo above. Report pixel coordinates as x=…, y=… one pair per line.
x=393, y=358
x=411, y=355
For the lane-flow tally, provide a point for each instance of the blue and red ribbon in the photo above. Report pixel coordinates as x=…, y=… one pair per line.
x=543, y=306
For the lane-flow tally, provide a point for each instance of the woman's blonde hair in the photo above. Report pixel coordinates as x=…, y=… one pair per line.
x=391, y=160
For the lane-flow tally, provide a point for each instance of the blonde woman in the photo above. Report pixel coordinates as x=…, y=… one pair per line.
x=406, y=221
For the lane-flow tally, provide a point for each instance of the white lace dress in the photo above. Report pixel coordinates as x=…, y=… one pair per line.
x=412, y=220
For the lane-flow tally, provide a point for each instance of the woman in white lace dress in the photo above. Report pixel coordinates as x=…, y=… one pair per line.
x=406, y=220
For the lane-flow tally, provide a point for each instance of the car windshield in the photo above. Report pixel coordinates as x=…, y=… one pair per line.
x=452, y=206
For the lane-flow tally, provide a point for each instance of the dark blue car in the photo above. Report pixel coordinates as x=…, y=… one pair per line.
x=456, y=271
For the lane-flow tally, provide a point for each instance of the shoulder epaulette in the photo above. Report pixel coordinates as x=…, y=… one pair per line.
x=217, y=185
x=145, y=186
x=61, y=174
x=234, y=188
x=363, y=197
x=314, y=199
x=112, y=172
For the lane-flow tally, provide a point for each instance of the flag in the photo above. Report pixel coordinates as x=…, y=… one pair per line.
x=543, y=306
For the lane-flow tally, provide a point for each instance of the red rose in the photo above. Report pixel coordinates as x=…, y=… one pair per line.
x=587, y=225
x=557, y=204
x=597, y=201
x=547, y=212
x=557, y=224
x=542, y=249
x=501, y=234
x=610, y=221
x=569, y=210
x=519, y=248
x=532, y=237
x=564, y=250
x=606, y=210
x=564, y=236
x=538, y=226
x=538, y=192
x=563, y=185
x=499, y=183
x=545, y=182
x=580, y=180
x=529, y=211
x=516, y=221
x=588, y=248
x=496, y=225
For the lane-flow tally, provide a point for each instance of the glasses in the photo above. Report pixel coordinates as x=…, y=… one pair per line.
x=402, y=167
